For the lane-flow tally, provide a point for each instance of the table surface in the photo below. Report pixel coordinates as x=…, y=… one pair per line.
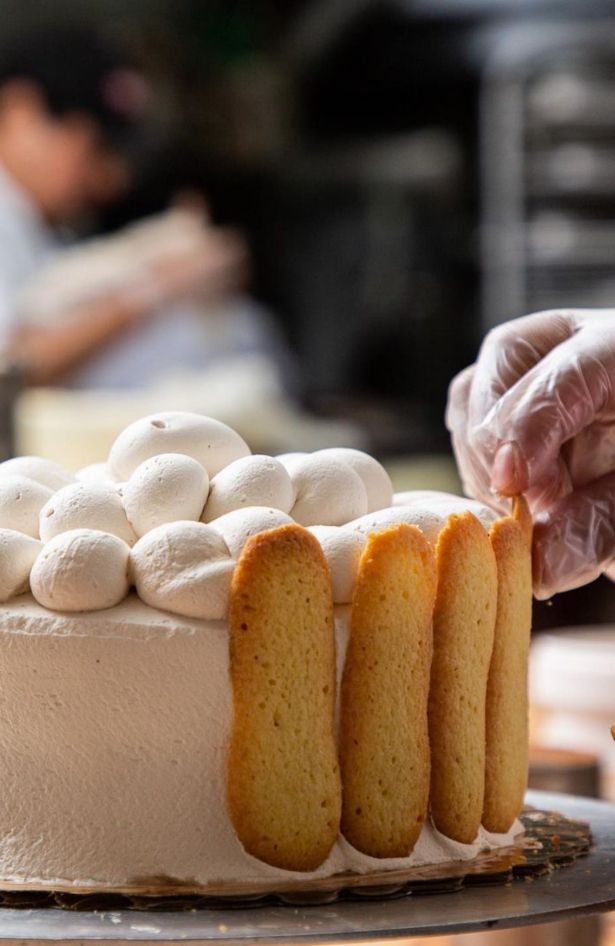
x=587, y=886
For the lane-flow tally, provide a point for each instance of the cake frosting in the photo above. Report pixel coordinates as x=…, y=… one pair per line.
x=81, y=570
x=165, y=488
x=21, y=500
x=250, y=481
x=171, y=475
x=184, y=567
x=328, y=492
x=91, y=680
x=87, y=658
x=46, y=472
x=85, y=506
x=212, y=443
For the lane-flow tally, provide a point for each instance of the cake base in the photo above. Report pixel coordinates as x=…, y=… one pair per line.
x=550, y=840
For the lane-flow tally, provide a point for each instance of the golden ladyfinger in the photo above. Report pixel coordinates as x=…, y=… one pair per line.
x=384, y=739
x=464, y=621
x=507, y=698
x=283, y=775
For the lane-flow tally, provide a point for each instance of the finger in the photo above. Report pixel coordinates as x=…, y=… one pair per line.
x=575, y=541
x=565, y=393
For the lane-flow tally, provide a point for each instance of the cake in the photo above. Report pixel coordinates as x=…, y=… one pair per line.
x=220, y=669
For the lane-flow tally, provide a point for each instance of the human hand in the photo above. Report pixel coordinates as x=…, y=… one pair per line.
x=212, y=267
x=536, y=415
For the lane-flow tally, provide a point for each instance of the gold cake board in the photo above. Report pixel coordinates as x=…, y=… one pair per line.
x=550, y=840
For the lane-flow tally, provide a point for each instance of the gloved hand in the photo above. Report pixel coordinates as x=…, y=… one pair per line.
x=536, y=415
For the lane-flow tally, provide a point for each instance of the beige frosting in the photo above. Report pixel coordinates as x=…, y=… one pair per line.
x=85, y=506
x=46, y=472
x=428, y=521
x=18, y=553
x=238, y=526
x=95, y=473
x=209, y=441
x=184, y=567
x=21, y=500
x=343, y=549
x=166, y=488
x=374, y=477
x=130, y=712
x=328, y=491
x=250, y=481
x=81, y=570
x=445, y=504
x=342, y=494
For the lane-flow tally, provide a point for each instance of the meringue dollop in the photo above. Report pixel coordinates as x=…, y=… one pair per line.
x=166, y=488
x=184, y=567
x=81, y=570
x=210, y=442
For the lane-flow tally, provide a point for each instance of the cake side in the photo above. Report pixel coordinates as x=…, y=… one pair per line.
x=114, y=729
x=118, y=711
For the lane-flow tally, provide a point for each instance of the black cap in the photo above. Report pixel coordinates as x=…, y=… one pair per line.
x=77, y=69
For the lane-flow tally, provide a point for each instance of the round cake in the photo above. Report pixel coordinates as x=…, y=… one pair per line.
x=220, y=669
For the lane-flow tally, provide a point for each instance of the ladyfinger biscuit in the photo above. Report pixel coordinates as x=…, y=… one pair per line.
x=384, y=739
x=283, y=775
x=507, y=699
x=464, y=621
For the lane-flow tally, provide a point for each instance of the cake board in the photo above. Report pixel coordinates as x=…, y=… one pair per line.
x=587, y=885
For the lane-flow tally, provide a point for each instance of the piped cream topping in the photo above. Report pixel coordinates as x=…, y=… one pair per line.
x=18, y=552
x=187, y=494
x=184, y=567
x=250, y=481
x=211, y=443
x=81, y=570
x=166, y=488
x=328, y=491
x=21, y=500
x=46, y=472
x=86, y=506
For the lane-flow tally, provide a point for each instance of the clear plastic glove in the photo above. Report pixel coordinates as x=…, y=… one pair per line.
x=536, y=415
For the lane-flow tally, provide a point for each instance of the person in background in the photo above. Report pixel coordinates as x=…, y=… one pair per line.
x=536, y=415
x=71, y=109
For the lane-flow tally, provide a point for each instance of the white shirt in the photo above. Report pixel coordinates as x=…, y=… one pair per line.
x=186, y=336
x=26, y=244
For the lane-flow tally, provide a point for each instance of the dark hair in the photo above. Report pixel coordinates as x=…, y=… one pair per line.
x=78, y=69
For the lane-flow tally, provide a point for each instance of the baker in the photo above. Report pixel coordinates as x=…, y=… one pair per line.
x=536, y=415
x=72, y=113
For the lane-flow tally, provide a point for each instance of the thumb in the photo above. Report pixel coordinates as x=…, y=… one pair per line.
x=575, y=540
x=554, y=401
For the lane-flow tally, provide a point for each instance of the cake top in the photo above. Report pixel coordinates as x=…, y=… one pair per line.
x=172, y=508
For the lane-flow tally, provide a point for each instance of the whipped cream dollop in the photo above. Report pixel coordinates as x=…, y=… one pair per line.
x=343, y=549
x=18, y=552
x=250, y=481
x=46, y=472
x=186, y=492
x=81, y=570
x=328, y=491
x=86, y=506
x=211, y=443
x=445, y=504
x=184, y=567
x=95, y=473
x=375, y=479
x=428, y=520
x=166, y=488
x=21, y=500
x=238, y=526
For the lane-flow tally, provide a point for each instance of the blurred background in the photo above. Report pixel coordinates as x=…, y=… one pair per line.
x=302, y=217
